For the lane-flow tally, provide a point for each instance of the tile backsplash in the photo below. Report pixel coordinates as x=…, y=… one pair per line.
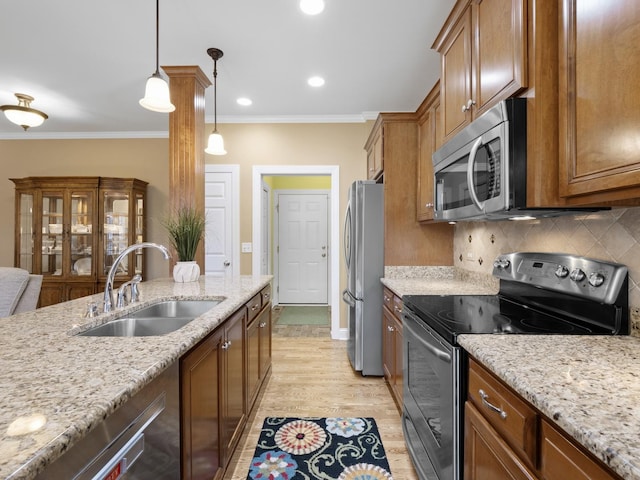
x=609, y=235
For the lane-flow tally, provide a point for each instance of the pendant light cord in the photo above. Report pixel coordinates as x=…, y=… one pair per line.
x=215, y=96
x=157, y=37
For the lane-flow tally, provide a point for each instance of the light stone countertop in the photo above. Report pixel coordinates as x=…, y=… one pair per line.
x=437, y=281
x=588, y=385
x=74, y=382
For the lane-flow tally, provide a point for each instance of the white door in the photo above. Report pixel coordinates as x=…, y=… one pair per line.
x=221, y=201
x=265, y=228
x=302, y=248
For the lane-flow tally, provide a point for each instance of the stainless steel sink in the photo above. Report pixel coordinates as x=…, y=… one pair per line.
x=157, y=319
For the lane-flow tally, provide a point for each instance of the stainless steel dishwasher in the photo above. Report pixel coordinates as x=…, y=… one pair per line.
x=139, y=441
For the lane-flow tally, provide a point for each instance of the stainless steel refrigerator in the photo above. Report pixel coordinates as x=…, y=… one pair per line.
x=364, y=260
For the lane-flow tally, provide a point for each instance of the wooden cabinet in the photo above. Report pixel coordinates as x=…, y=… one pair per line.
x=374, y=148
x=392, y=344
x=213, y=399
x=506, y=437
x=405, y=239
x=483, y=48
x=71, y=229
x=429, y=140
x=258, y=346
x=599, y=121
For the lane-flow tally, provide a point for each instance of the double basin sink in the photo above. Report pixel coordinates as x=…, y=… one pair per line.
x=156, y=319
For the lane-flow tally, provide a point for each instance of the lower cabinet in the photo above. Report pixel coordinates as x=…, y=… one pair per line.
x=258, y=349
x=507, y=438
x=220, y=378
x=212, y=390
x=392, y=344
x=56, y=292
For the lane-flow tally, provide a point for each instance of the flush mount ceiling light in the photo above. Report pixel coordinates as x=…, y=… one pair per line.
x=22, y=114
x=245, y=102
x=156, y=93
x=215, y=145
x=312, y=7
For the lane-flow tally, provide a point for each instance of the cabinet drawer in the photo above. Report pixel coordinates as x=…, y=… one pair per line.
x=253, y=306
x=515, y=420
x=387, y=299
x=560, y=459
x=397, y=307
x=266, y=294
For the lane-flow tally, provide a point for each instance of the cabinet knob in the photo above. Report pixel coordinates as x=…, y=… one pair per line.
x=263, y=324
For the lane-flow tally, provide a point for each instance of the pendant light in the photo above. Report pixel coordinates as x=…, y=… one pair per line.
x=22, y=114
x=215, y=145
x=156, y=94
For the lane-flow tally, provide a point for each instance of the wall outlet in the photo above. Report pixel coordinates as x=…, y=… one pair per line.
x=469, y=256
x=247, y=247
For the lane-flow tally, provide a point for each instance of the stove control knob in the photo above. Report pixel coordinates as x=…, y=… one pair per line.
x=562, y=271
x=577, y=275
x=501, y=263
x=596, y=279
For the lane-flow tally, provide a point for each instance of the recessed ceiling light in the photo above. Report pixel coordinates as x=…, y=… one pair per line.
x=245, y=102
x=316, y=81
x=312, y=7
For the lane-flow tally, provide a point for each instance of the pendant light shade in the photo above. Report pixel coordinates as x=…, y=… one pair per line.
x=156, y=93
x=22, y=114
x=215, y=145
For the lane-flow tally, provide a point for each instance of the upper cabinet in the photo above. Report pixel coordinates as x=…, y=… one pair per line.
x=483, y=48
x=375, y=153
x=600, y=101
x=429, y=140
x=71, y=229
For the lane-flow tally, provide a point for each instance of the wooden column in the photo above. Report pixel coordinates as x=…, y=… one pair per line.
x=186, y=140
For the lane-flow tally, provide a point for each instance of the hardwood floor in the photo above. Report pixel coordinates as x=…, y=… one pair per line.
x=313, y=377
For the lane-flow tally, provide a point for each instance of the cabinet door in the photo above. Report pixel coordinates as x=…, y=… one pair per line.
x=486, y=455
x=388, y=346
x=375, y=156
x=561, y=460
x=234, y=406
x=265, y=340
x=253, y=361
x=499, y=51
x=398, y=362
x=427, y=140
x=200, y=408
x=455, y=86
x=599, y=101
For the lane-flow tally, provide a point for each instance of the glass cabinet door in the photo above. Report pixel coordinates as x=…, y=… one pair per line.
x=52, y=233
x=115, y=231
x=139, y=232
x=81, y=234
x=26, y=234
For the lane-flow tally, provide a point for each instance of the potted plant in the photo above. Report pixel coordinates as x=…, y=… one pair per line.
x=185, y=228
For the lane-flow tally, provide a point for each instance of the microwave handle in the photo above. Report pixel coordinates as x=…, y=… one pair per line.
x=471, y=164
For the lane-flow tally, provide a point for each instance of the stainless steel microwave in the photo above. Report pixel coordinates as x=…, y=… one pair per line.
x=482, y=171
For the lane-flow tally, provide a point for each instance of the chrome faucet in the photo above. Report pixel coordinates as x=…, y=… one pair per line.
x=108, y=289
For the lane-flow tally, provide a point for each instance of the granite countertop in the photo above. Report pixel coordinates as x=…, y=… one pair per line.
x=588, y=385
x=71, y=383
x=437, y=281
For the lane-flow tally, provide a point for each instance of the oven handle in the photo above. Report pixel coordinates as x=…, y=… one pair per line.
x=441, y=354
x=470, y=165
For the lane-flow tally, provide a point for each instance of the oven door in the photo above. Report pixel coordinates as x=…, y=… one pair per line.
x=474, y=181
x=432, y=396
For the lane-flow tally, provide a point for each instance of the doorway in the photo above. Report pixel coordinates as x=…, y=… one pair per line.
x=334, y=239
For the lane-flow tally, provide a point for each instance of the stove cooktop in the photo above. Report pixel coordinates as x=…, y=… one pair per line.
x=540, y=293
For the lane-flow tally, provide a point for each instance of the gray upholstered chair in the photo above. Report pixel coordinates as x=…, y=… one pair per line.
x=19, y=291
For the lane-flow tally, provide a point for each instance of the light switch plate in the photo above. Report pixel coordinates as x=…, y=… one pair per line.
x=247, y=247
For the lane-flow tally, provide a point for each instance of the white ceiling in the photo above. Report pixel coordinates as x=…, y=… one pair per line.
x=86, y=61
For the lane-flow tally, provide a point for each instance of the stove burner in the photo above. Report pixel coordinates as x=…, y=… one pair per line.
x=502, y=324
x=548, y=325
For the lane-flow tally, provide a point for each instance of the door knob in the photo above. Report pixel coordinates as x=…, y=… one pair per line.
x=226, y=263
x=324, y=255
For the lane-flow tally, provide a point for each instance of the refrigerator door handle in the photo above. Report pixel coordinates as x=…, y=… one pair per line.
x=348, y=298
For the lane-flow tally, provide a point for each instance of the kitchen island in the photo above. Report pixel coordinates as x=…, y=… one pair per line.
x=56, y=386
x=589, y=386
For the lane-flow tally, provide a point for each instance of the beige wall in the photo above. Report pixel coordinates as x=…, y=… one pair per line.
x=146, y=159
x=291, y=144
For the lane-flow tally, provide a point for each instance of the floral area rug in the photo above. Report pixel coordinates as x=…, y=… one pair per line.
x=319, y=448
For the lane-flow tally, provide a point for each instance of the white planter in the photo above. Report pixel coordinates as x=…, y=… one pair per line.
x=184, y=272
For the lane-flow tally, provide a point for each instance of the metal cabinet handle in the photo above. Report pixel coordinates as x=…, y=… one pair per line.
x=226, y=345
x=390, y=328
x=490, y=406
x=254, y=307
x=428, y=205
x=263, y=324
x=266, y=296
x=395, y=308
